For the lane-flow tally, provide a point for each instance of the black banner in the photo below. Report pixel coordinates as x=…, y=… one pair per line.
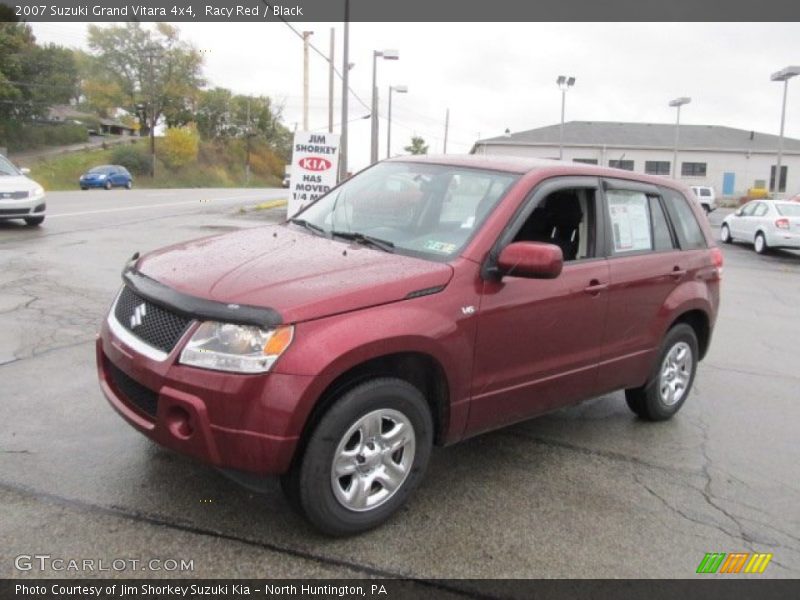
x=396, y=589
x=399, y=10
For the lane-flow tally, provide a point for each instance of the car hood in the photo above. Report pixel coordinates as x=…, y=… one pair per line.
x=300, y=275
x=16, y=183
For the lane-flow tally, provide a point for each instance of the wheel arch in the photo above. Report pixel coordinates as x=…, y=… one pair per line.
x=700, y=322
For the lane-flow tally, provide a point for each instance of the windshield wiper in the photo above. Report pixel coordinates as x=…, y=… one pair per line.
x=310, y=226
x=367, y=240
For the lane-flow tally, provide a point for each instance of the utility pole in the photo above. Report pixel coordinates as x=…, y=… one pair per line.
x=306, y=35
x=345, y=87
x=150, y=57
x=330, y=80
x=446, y=127
x=247, y=135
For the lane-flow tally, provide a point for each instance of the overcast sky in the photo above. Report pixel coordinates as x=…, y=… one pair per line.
x=495, y=76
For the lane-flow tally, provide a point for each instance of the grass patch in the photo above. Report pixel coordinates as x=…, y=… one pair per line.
x=211, y=171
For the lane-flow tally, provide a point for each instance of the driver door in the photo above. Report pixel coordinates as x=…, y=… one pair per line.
x=538, y=341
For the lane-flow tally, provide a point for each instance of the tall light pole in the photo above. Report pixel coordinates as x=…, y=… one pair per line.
x=783, y=75
x=345, y=92
x=677, y=103
x=306, y=35
x=563, y=83
x=387, y=55
x=330, y=80
x=400, y=89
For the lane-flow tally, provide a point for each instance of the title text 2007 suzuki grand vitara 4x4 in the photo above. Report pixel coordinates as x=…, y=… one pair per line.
x=420, y=302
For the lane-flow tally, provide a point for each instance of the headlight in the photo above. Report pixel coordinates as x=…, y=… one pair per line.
x=237, y=348
x=37, y=191
x=101, y=176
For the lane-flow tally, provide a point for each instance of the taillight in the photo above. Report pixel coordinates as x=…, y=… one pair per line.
x=716, y=258
x=782, y=223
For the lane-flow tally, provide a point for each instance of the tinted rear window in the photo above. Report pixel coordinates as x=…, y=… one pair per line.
x=690, y=236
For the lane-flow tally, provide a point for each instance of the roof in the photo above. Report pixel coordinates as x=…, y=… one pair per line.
x=65, y=112
x=647, y=135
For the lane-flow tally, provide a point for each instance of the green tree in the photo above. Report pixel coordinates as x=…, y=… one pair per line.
x=32, y=78
x=418, y=146
x=214, y=113
x=150, y=73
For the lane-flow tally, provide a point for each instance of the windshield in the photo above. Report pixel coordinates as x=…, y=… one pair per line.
x=418, y=209
x=6, y=168
x=101, y=170
x=788, y=210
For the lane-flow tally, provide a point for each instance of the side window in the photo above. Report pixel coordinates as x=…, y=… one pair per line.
x=662, y=238
x=565, y=218
x=690, y=236
x=748, y=209
x=760, y=210
x=629, y=218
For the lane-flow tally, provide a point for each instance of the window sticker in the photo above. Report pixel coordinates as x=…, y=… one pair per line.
x=443, y=247
x=630, y=221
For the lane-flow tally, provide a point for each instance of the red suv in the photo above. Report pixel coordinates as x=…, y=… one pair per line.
x=421, y=302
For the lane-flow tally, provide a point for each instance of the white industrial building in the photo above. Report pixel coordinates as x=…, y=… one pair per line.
x=731, y=160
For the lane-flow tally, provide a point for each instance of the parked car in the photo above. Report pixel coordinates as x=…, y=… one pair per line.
x=107, y=177
x=20, y=197
x=706, y=197
x=766, y=224
x=337, y=348
x=286, y=180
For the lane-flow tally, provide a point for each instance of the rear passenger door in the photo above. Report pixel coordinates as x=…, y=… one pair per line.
x=645, y=266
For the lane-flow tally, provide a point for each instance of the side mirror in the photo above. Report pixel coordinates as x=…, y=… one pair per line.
x=738, y=213
x=531, y=259
x=25, y=170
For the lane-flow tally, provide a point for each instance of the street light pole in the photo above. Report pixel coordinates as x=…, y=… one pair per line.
x=563, y=83
x=387, y=55
x=783, y=75
x=677, y=102
x=400, y=89
x=306, y=35
x=345, y=92
x=330, y=80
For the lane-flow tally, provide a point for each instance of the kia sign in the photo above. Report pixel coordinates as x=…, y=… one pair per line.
x=315, y=163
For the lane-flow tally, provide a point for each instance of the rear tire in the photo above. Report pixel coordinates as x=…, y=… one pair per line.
x=129, y=185
x=760, y=244
x=34, y=221
x=671, y=380
x=363, y=459
x=725, y=234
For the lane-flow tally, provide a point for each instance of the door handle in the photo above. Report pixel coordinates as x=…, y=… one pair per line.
x=595, y=287
x=677, y=272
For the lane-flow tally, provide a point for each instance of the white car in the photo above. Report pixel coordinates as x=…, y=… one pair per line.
x=20, y=197
x=706, y=197
x=764, y=223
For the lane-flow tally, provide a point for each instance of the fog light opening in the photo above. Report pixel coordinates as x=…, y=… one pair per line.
x=179, y=423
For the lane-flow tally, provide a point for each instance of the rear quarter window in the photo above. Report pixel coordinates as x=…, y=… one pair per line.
x=690, y=236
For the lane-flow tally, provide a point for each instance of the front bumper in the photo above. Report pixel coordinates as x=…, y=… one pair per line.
x=228, y=420
x=25, y=207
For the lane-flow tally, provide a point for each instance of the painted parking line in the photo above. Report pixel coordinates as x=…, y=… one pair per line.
x=150, y=206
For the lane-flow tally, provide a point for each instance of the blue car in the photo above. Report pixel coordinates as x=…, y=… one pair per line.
x=106, y=176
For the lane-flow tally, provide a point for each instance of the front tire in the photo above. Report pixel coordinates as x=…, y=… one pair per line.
x=760, y=244
x=364, y=458
x=725, y=234
x=108, y=185
x=671, y=381
x=34, y=221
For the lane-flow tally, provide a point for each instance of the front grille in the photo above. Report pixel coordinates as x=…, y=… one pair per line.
x=150, y=322
x=143, y=398
x=13, y=195
x=5, y=212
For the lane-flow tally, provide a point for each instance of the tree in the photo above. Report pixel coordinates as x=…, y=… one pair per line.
x=180, y=147
x=32, y=78
x=149, y=73
x=417, y=146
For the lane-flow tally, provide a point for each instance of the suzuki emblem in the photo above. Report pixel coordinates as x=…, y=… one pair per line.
x=138, y=314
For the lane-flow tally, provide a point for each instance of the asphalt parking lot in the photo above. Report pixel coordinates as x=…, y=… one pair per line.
x=586, y=492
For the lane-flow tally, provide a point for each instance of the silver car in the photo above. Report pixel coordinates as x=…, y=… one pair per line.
x=20, y=197
x=764, y=223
